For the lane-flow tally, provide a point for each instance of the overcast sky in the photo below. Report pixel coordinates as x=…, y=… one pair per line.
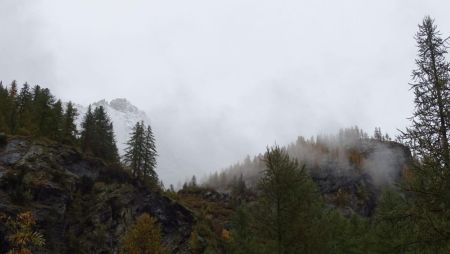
x=222, y=79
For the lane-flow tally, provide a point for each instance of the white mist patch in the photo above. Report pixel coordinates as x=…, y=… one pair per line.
x=384, y=163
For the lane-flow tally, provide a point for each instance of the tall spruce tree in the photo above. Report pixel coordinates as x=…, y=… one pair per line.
x=4, y=105
x=288, y=207
x=419, y=221
x=56, y=120
x=429, y=134
x=140, y=154
x=69, y=129
x=43, y=102
x=97, y=135
x=87, y=131
x=150, y=155
x=25, y=107
x=106, y=143
x=134, y=151
x=12, y=113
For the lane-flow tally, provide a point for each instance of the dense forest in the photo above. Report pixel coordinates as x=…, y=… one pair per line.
x=344, y=193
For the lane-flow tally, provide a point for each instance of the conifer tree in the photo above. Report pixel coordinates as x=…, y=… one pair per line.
x=25, y=97
x=69, y=129
x=377, y=134
x=12, y=108
x=144, y=237
x=429, y=134
x=56, y=119
x=3, y=108
x=13, y=89
x=150, y=154
x=193, y=182
x=43, y=102
x=421, y=218
x=104, y=130
x=140, y=154
x=288, y=206
x=134, y=152
x=97, y=136
x=25, y=100
x=87, y=132
x=105, y=144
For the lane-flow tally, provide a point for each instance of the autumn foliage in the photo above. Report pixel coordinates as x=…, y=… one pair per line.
x=21, y=236
x=143, y=237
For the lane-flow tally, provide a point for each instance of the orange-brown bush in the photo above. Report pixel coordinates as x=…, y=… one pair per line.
x=20, y=233
x=143, y=237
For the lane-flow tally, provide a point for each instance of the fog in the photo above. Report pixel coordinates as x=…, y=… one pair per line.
x=220, y=80
x=348, y=154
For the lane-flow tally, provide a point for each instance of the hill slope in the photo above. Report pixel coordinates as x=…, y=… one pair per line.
x=349, y=168
x=82, y=205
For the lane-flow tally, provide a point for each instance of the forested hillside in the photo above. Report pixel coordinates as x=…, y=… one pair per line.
x=65, y=189
x=351, y=151
x=349, y=168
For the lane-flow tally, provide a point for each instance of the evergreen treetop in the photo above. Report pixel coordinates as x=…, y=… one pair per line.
x=97, y=135
x=140, y=154
x=429, y=134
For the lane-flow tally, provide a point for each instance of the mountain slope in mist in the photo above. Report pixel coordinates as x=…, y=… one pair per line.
x=349, y=168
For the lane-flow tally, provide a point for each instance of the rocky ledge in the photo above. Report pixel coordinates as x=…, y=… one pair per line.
x=81, y=204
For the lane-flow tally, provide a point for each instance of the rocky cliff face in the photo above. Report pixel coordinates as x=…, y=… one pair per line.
x=81, y=204
x=355, y=186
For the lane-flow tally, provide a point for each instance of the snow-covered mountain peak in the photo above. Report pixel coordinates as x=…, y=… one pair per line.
x=123, y=105
x=99, y=103
x=119, y=104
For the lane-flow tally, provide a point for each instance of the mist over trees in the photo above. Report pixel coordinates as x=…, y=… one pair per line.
x=323, y=154
x=290, y=216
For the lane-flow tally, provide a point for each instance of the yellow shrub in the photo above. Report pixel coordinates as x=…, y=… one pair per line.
x=143, y=237
x=226, y=234
x=20, y=234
